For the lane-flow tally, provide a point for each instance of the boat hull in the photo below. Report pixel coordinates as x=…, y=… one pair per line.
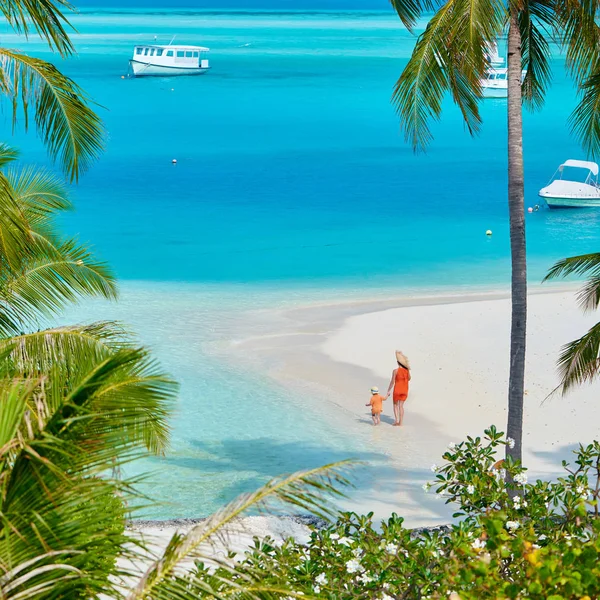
x=495, y=92
x=141, y=69
x=571, y=202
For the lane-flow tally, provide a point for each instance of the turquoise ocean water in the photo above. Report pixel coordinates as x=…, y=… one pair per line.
x=293, y=185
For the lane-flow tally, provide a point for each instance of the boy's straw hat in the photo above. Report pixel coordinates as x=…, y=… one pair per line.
x=402, y=359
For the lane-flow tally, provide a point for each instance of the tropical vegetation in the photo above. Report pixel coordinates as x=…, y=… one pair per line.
x=452, y=56
x=538, y=540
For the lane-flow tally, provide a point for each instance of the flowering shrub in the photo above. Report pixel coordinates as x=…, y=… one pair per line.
x=512, y=539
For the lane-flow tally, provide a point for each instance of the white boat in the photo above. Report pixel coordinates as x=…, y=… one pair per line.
x=169, y=60
x=574, y=185
x=495, y=82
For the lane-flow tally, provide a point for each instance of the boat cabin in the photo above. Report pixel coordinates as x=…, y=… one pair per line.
x=181, y=56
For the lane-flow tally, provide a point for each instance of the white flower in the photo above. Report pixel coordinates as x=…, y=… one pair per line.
x=517, y=501
x=353, y=566
x=510, y=442
x=321, y=579
x=512, y=525
x=345, y=541
x=521, y=478
x=426, y=487
x=364, y=578
x=386, y=597
x=451, y=446
x=391, y=548
x=434, y=468
x=478, y=544
x=316, y=589
x=335, y=536
x=470, y=489
x=358, y=552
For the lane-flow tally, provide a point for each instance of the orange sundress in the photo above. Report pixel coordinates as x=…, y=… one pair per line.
x=401, y=384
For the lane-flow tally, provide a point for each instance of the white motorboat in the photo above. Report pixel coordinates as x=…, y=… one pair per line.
x=574, y=185
x=169, y=60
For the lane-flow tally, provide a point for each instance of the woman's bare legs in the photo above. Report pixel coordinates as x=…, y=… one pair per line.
x=401, y=410
x=397, y=420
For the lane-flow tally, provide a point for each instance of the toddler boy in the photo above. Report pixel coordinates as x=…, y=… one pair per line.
x=376, y=404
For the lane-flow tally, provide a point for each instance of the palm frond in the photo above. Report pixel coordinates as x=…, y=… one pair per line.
x=449, y=56
x=584, y=264
x=8, y=154
x=579, y=361
x=535, y=26
x=57, y=276
x=306, y=490
x=576, y=20
x=44, y=17
x=71, y=130
x=40, y=194
x=585, y=118
x=588, y=297
x=39, y=353
x=410, y=10
x=419, y=92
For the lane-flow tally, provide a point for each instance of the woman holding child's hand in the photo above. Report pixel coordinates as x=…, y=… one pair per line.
x=399, y=383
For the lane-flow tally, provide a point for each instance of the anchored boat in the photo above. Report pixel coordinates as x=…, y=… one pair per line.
x=574, y=185
x=169, y=60
x=495, y=82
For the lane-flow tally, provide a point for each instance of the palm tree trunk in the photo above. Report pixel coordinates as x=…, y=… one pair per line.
x=516, y=207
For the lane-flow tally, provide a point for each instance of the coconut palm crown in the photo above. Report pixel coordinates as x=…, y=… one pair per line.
x=34, y=88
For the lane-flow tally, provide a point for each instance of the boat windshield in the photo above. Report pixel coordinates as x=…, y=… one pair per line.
x=576, y=174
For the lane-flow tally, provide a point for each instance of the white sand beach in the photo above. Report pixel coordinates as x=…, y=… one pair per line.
x=459, y=349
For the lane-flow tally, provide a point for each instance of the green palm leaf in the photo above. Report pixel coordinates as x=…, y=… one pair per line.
x=45, y=17
x=536, y=28
x=579, y=361
x=448, y=56
x=307, y=490
x=71, y=131
x=585, y=119
x=38, y=353
x=576, y=265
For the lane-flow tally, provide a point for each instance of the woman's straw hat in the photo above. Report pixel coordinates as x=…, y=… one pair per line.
x=401, y=358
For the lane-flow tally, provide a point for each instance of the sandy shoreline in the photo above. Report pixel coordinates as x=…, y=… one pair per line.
x=459, y=349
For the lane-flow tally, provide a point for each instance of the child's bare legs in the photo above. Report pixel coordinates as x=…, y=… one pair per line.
x=376, y=419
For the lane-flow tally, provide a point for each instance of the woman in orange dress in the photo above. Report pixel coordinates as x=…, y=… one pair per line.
x=399, y=383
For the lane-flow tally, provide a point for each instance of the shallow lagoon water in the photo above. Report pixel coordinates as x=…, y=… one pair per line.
x=293, y=185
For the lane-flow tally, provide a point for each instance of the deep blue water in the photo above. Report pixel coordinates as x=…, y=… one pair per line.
x=292, y=176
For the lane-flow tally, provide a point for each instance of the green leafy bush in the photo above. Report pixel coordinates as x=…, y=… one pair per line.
x=512, y=539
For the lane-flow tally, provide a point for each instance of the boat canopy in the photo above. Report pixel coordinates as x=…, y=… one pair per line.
x=581, y=164
x=174, y=47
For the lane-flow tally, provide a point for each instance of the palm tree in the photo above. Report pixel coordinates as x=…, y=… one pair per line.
x=579, y=360
x=67, y=125
x=77, y=402
x=451, y=56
